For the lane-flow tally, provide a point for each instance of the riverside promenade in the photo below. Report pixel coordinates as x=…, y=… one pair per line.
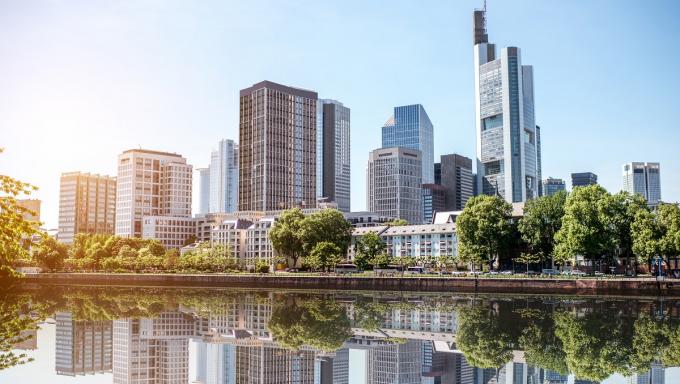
x=582, y=286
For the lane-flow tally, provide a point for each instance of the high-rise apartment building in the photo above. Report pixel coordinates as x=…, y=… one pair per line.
x=87, y=204
x=393, y=179
x=508, y=162
x=151, y=184
x=552, y=186
x=456, y=178
x=277, y=138
x=203, y=190
x=410, y=127
x=583, y=179
x=224, y=177
x=643, y=179
x=333, y=153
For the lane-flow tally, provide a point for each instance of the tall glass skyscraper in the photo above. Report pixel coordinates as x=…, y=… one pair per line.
x=224, y=177
x=333, y=152
x=508, y=142
x=410, y=127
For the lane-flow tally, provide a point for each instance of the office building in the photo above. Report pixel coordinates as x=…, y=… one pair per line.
x=583, y=179
x=277, y=138
x=552, y=186
x=151, y=184
x=82, y=347
x=410, y=127
x=333, y=153
x=434, y=197
x=643, y=179
x=224, y=177
x=87, y=204
x=203, y=190
x=424, y=240
x=394, y=177
x=507, y=138
x=171, y=231
x=455, y=175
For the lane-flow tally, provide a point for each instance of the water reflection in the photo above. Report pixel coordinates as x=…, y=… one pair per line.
x=125, y=335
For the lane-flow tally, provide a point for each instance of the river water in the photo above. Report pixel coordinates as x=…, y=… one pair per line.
x=57, y=334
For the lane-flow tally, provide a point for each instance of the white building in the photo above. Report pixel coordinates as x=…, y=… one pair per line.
x=232, y=234
x=258, y=244
x=87, y=204
x=393, y=180
x=171, y=231
x=427, y=240
x=643, y=179
x=203, y=190
x=224, y=177
x=508, y=140
x=150, y=183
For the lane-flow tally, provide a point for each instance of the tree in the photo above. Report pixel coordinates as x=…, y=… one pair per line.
x=50, y=254
x=646, y=236
x=397, y=223
x=482, y=337
x=528, y=258
x=669, y=222
x=586, y=229
x=324, y=256
x=622, y=210
x=482, y=228
x=541, y=221
x=368, y=247
x=328, y=225
x=261, y=266
x=15, y=230
x=285, y=234
x=380, y=260
x=171, y=259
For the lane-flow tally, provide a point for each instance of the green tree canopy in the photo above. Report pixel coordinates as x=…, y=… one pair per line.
x=50, y=254
x=367, y=248
x=482, y=338
x=585, y=227
x=397, y=223
x=285, y=234
x=324, y=256
x=327, y=225
x=541, y=221
x=482, y=229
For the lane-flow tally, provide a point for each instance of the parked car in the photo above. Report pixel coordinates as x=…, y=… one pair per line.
x=599, y=274
x=475, y=272
x=494, y=272
x=457, y=273
x=415, y=270
x=507, y=272
x=292, y=270
x=346, y=268
x=533, y=273
x=550, y=272
x=576, y=272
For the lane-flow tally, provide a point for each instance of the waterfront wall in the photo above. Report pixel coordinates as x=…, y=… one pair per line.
x=415, y=284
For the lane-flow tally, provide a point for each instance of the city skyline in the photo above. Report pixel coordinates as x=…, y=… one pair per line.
x=189, y=103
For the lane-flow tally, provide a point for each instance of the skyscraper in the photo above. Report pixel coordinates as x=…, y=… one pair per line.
x=277, y=157
x=508, y=152
x=456, y=178
x=151, y=184
x=394, y=177
x=583, y=179
x=434, y=200
x=224, y=177
x=410, y=127
x=643, y=179
x=87, y=204
x=203, y=190
x=333, y=153
x=82, y=347
x=552, y=186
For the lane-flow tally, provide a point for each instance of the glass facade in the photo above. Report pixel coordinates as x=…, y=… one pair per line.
x=224, y=177
x=643, y=179
x=410, y=127
x=333, y=153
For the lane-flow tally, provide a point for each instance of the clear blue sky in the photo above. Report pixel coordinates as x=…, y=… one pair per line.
x=81, y=81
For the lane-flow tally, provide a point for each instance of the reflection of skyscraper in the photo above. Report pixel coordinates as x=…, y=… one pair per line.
x=552, y=377
x=83, y=346
x=655, y=375
x=152, y=350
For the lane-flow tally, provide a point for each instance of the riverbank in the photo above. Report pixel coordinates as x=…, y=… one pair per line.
x=612, y=286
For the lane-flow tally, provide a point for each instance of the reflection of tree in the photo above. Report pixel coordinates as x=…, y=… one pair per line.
x=15, y=318
x=540, y=344
x=370, y=314
x=315, y=322
x=596, y=345
x=482, y=337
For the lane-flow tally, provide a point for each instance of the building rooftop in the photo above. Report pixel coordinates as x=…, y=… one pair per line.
x=151, y=152
x=279, y=87
x=420, y=229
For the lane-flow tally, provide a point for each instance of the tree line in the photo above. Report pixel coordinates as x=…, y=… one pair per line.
x=589, y=222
